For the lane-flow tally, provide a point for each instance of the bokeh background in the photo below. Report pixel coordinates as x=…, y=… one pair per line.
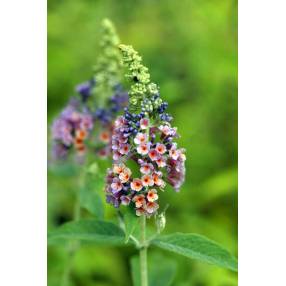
x=190, y=47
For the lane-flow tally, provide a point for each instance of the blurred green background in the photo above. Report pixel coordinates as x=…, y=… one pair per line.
x=190, y=47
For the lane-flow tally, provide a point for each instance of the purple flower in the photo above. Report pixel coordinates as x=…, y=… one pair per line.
x=176, y=171
x=125, y=200
x=61, y=130
x=59, y=151
x=70, y=129
x=86, y=121
x=85, y=89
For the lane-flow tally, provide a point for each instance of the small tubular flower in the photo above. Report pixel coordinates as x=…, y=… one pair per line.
x=140, y=138
x=153, y=155
x=125, y=175
x=143, y=149
x=116, y=185
x=146, y=168
x=139, y=201
x=152, y=195
x=161, y=148
x=136, y=185
x=147, y=181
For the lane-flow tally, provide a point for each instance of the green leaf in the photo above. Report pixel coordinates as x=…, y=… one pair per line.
x=90, y=198
x=131, y=221
x=91, y=201
x=161, y=270
x=95, y=181
x=197, y=247
x=66, y=169
x=97, y=231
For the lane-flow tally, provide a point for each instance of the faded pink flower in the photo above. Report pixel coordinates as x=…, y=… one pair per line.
x=140, y=138
x=144, y=123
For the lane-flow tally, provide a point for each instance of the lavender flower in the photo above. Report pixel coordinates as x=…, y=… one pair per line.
x=70, y=130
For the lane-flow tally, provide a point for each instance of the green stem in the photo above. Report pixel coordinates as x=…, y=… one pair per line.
x=143, y=253
x=74, y=245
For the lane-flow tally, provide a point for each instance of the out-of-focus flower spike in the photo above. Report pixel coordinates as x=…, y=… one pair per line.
x=107, y=70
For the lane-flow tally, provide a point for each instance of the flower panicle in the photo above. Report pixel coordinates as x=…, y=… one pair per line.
x=144, y=135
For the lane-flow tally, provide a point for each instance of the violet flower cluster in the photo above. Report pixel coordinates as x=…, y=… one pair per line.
x=151, y=145
x=106, y=116
x=70, y=130
x=73, y=129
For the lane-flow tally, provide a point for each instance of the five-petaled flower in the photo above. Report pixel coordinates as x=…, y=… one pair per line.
x=136, y=185
x=143, y=149
x=140, y=138
x=147, y=180
x=152, y=195
x=139, y=201
x=153, y=155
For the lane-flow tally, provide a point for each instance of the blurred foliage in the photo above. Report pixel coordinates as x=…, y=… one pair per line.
x=190, y=47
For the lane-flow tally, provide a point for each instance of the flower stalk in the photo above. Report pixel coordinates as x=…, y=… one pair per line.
x=143, y=252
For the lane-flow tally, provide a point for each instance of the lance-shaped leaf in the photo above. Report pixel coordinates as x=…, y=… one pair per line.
x=131, y=221
x=92, y=202
x=97, y=231
x=94, y=182
x=197, y=247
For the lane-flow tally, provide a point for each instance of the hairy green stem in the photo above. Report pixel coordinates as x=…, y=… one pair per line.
x=143, y=253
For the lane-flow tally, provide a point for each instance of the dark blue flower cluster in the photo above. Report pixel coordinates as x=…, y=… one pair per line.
x=132, y=121
x=151, y=108
x=115, y=104
x=85, y=89
x=155, y=106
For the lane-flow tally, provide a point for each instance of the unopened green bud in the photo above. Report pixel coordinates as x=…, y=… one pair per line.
x=153, y=88
x=160, y=222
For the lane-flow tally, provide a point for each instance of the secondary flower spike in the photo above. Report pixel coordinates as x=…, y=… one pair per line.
x=146, y=136
x=86, y=123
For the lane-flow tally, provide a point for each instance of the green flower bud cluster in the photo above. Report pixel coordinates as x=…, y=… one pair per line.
x=142, y=89
x=108, y=70
x=150, y=105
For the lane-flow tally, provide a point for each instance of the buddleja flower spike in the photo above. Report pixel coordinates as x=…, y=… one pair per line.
x=144, y=135
x=98, y=103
